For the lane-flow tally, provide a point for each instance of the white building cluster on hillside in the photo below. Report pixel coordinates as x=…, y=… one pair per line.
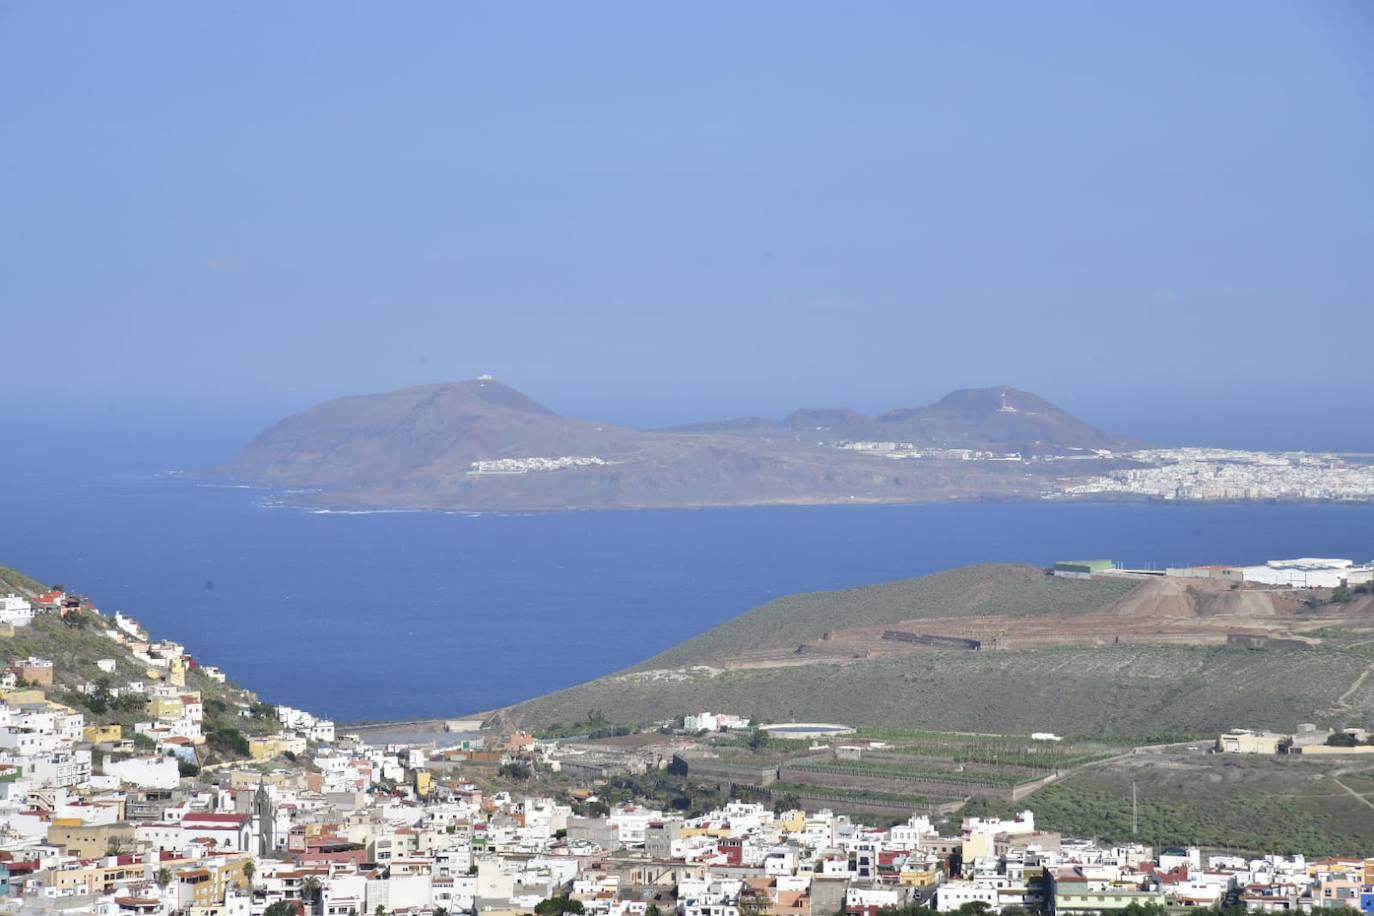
x=526, y=465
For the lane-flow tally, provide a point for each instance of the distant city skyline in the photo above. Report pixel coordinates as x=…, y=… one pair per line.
x=1154, y=215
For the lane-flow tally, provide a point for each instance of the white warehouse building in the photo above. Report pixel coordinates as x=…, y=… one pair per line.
x=1308, y=572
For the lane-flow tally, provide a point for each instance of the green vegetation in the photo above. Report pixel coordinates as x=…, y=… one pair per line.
x=897, y=771
x=1139, y=693
x=559, y=906
x=1008, y=752
x=1114, y=693
x=785, y=796
x=516, y=772
x=227, y=742
x=11, y=580
x=967, y=592
x=1223, y=801
x=595, y=726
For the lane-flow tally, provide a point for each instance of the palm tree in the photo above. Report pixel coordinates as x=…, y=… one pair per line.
x=249, y=870
x=310, y=891
x=163, y=877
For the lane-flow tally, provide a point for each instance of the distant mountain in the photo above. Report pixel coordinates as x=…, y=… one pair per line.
x=997, y=419
x=482, y=445
x=1000, y=419
x=429, y=429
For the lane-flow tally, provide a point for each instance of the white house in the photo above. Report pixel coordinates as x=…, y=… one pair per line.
x=152, y=772
x=15, y=611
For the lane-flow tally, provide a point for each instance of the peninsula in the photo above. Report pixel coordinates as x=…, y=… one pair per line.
x=480, y=445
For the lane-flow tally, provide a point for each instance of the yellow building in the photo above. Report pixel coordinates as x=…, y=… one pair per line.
x=23, y=696
x=103, y=734
x=102, y=879
x=794, y=822
x=919, y=876
x=978, y=845
x=719, y=833
x=269, y=746
x=165, y=707
x=89, y=841
x=250, y=779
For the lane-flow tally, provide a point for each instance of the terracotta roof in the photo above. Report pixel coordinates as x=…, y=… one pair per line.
x=221, y=818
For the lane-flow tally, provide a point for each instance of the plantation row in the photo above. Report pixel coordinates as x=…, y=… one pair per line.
x=1003, y=756
x=894, y=771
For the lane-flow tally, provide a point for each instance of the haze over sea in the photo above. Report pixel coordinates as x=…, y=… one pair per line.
x=405, y=615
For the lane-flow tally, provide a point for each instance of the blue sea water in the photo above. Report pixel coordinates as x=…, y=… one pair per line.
x=402, y=615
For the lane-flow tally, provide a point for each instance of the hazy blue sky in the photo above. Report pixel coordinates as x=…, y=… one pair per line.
x=1160, y=215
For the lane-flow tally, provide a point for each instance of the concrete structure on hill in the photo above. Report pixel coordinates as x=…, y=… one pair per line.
x=1081, y=569
x=1248, y=741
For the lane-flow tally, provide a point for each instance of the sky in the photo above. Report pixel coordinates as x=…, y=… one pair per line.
x=1157, y=215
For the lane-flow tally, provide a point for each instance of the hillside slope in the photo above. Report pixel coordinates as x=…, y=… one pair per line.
x=967, y=591
x=75, y=643
x=1135, y=691
x=1118, y=656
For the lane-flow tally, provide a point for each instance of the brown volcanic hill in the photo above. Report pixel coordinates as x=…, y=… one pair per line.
x=1000, y=419
x=997, y=419
x=428, y=428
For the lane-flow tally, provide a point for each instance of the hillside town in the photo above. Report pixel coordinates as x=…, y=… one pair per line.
x=168, y=816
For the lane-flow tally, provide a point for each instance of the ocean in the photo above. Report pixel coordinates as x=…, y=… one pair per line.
x=401, y=615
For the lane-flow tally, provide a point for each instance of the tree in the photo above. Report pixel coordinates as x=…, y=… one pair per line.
x=652, y=910
x=558, y=906
x=786, y=801
x=310, y=891
x=758, y=740
x=516, y=771
x=380, y=911
x=249, y=870
x=229, y=742
x=283, y=908
x=187, y=768
x=163, y=877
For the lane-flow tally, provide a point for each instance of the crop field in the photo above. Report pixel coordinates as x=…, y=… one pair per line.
x=1004, y=753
